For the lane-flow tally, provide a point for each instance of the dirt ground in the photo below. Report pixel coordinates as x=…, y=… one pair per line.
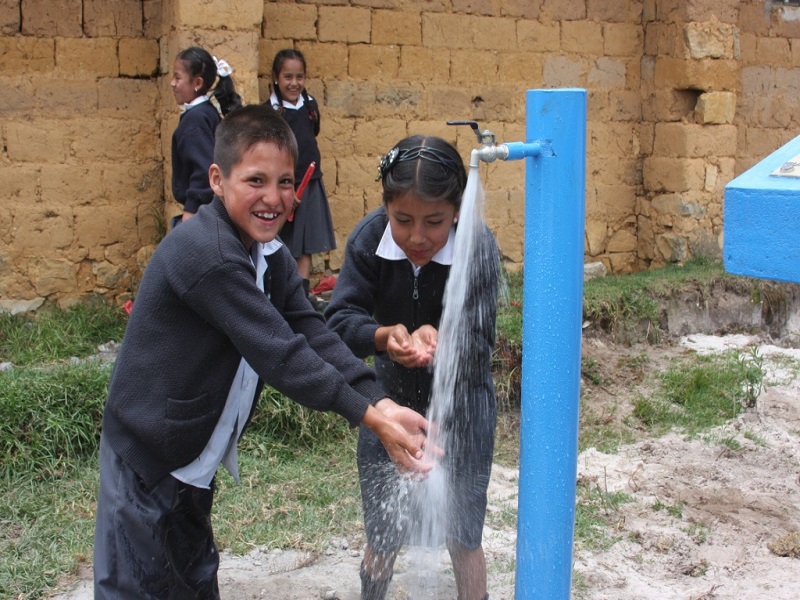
x=704, y=522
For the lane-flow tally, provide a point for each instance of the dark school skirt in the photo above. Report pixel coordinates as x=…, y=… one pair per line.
x=396, y=509
x=311, y=231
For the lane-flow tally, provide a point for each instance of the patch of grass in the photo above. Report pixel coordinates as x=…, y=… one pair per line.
x=597, y=515
x=280, y=423
x=50, y=417
x=46, y=529
x=698, y=532
x=702, y=392
x=635, y=363
x=602, y=430
x=674, y=510
x=295, y=498
x=756, y=439
x=55, y=334
x=590, y=371
x=509, y=311
x=506, y=445
x=623, y=303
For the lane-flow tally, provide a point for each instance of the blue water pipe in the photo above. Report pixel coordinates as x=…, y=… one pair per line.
x=552, y=315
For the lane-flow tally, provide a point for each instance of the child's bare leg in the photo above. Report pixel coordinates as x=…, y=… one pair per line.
x=376, y=573
x=304, y=265
x=469, y=567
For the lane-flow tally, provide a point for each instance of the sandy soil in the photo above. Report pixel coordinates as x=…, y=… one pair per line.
x=731, y=533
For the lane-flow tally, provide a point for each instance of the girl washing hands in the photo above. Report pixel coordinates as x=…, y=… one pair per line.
x=387, y=303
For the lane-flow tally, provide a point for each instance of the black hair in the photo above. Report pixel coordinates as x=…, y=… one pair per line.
x=426, y=165
x=277, y=64
x=245, y=127
x=199, y=62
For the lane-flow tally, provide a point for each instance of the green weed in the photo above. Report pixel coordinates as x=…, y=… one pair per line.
x=756, y=439
x=702, y=392
x=54, y=334
x=597, y=515
x=50, y=417
x=674, y=510
x=590, y=370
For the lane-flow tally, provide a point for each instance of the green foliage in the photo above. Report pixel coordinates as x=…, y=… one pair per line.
x=282, y=423
x=46, y=529
x=289, y=497
x=509, y=311
x=597, y=515
x=53, y=334
x=702, y=392
x=674, y=510
x=622, y=303
x=601, y=430
x=590, y=371
x=50, y=417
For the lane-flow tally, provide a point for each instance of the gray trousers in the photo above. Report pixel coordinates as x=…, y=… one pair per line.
x=152, y=543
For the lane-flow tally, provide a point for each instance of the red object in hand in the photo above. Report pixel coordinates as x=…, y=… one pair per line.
x=128, y=307
x=302, y=187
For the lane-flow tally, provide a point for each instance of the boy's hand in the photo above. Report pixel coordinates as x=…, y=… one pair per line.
x=402, y=432
x=411, y=350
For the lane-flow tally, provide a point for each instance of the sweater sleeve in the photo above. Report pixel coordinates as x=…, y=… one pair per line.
x=329, y=346
x=196, y=147
x=352, y=306
x=229, y=299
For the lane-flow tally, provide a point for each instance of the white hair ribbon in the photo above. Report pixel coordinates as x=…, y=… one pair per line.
x=223, y=68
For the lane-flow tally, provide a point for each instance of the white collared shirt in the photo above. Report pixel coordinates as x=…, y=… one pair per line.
x=388, y=249
x=273, y=100
x=195, y=102
x=221, y=447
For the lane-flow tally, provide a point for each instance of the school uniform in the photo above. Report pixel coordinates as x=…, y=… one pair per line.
x=202, y=310
x=311, y=230
x=193, y=153
x=379, y=286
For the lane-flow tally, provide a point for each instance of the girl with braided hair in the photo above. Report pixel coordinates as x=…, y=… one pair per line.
x=310, y=230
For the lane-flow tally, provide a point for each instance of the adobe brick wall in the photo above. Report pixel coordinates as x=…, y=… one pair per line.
x=80, y=169
x=682, y=96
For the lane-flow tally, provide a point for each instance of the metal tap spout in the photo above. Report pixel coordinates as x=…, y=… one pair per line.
x=490, y=151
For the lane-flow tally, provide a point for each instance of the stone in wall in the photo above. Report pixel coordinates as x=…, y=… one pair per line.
x=673, y=248
x=114, y=18
x=9, y=17
x=138, y=57
x=715, y=108
x=52, y=17
x=710, y=40
x=52, y=276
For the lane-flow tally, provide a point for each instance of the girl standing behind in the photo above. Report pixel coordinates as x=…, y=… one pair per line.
x=311, y=229
x=387, y=303
x=193, y=75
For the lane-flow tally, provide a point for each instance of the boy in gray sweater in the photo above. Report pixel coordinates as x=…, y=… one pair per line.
x=220, y=310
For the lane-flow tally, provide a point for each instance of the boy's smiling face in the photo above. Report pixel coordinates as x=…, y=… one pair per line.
x=258, y=193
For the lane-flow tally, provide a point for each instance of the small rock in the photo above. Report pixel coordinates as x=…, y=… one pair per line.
x=6, y=366
x=594, y=270
x=327, y=593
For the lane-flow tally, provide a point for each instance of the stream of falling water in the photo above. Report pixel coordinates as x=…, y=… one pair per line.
x=461, y=366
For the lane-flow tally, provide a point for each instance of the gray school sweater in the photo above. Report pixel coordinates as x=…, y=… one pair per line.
x=198, y=310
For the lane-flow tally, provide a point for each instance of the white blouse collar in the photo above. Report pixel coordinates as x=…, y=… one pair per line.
x=388, y=248
x=273, y=100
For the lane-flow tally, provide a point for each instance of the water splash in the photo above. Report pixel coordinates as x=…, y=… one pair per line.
x=462, y=400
